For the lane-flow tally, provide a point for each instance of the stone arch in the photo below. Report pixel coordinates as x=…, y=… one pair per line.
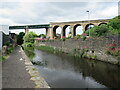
x=75, y=29
x=55, y=31
x=86, y=27
x=102, y=23
x=64, y=30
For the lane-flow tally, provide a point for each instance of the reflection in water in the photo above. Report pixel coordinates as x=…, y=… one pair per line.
x=29, y=51
x=63, y=71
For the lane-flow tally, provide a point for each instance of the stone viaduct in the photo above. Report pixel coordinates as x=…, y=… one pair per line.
x=51, y=28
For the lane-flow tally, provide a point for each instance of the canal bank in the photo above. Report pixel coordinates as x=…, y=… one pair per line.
x=91, y=48
x=35, y=75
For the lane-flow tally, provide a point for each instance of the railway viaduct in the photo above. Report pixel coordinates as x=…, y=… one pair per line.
x=52, y=26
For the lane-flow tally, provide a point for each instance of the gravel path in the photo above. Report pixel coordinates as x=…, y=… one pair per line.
x=14, y=74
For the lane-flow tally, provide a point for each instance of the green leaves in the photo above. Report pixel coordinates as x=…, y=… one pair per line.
x=20, y=38
x=29, y=37
x=112, y=28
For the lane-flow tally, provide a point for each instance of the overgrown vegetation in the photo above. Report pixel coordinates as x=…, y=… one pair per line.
x=28, y=44
x=20, y=38
x=45, y=48
x=29, y=39
x=42, y=36
x=112, y=28
x=29, y=51
x=6, y=51
x=113, y=50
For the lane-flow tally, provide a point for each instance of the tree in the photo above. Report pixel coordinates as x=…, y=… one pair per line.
x=29, y=37
x=97, y=31
x=114, y=26
x=20, y=38
x=42, y=36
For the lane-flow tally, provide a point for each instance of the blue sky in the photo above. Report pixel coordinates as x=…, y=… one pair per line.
x=20, y=12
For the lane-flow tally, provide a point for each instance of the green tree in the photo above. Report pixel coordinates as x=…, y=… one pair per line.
x=29, y=37
x=42, y=36
x=20, y=38
x=114, y=23
x=97, y=31
x=114, y=26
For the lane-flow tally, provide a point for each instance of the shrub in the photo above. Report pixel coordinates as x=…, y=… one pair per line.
x=84, y=37
x=20, y=38
x=97, y=31
x=113, y=50
x=27, y=45
x=77, y=36
x=29, y=37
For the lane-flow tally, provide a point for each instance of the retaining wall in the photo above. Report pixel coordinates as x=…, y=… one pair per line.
x=95, y=47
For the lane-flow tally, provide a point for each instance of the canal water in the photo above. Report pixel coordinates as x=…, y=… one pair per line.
x=61, y=71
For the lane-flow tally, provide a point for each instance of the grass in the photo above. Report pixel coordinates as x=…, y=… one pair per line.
x=2, y=58
x=46, y=48
x=6, y=54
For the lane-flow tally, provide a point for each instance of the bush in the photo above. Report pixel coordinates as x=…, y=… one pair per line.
x=84, y=37
x=27, y=45
x=97, y=31
x=63, y=39
x=77, y=36
x=7, y=44
x=112, y=28
x=20, y=38
x=29, y=37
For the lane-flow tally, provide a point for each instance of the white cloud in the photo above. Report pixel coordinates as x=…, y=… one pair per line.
x=60, y=0
x=110, y=11
x=4, y=21
x=20, y=13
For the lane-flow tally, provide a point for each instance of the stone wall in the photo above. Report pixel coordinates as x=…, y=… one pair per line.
x=96, y=47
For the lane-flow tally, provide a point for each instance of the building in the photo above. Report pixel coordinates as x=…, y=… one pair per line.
x=4, y=35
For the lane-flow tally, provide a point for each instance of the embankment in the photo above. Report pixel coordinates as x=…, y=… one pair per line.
x=92, y=48
x=35, y=75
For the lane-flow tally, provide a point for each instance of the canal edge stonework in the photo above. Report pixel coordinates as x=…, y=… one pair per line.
x=94, y=47
x=35, y=75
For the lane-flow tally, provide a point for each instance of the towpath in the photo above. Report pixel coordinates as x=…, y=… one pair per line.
x=14, y=74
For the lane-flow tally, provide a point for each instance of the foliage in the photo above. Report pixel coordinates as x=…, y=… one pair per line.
x=113, y=50
x=20, y=38
x=63, y=38
x=112, y=28
x=29, y=51
x=84, y=37
x=45, y=48
x=42, y=36
x=114, y=23
x=29, y=37
x=9, y=50
x=7, y=44
x=77, y=36
x=3, y=58
x=6, y=54
x=97, y=31
x=27, y=45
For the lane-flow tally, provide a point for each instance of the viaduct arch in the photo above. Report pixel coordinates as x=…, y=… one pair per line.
x=73, y=25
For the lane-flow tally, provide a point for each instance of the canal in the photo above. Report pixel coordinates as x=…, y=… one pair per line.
x=62, y=71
